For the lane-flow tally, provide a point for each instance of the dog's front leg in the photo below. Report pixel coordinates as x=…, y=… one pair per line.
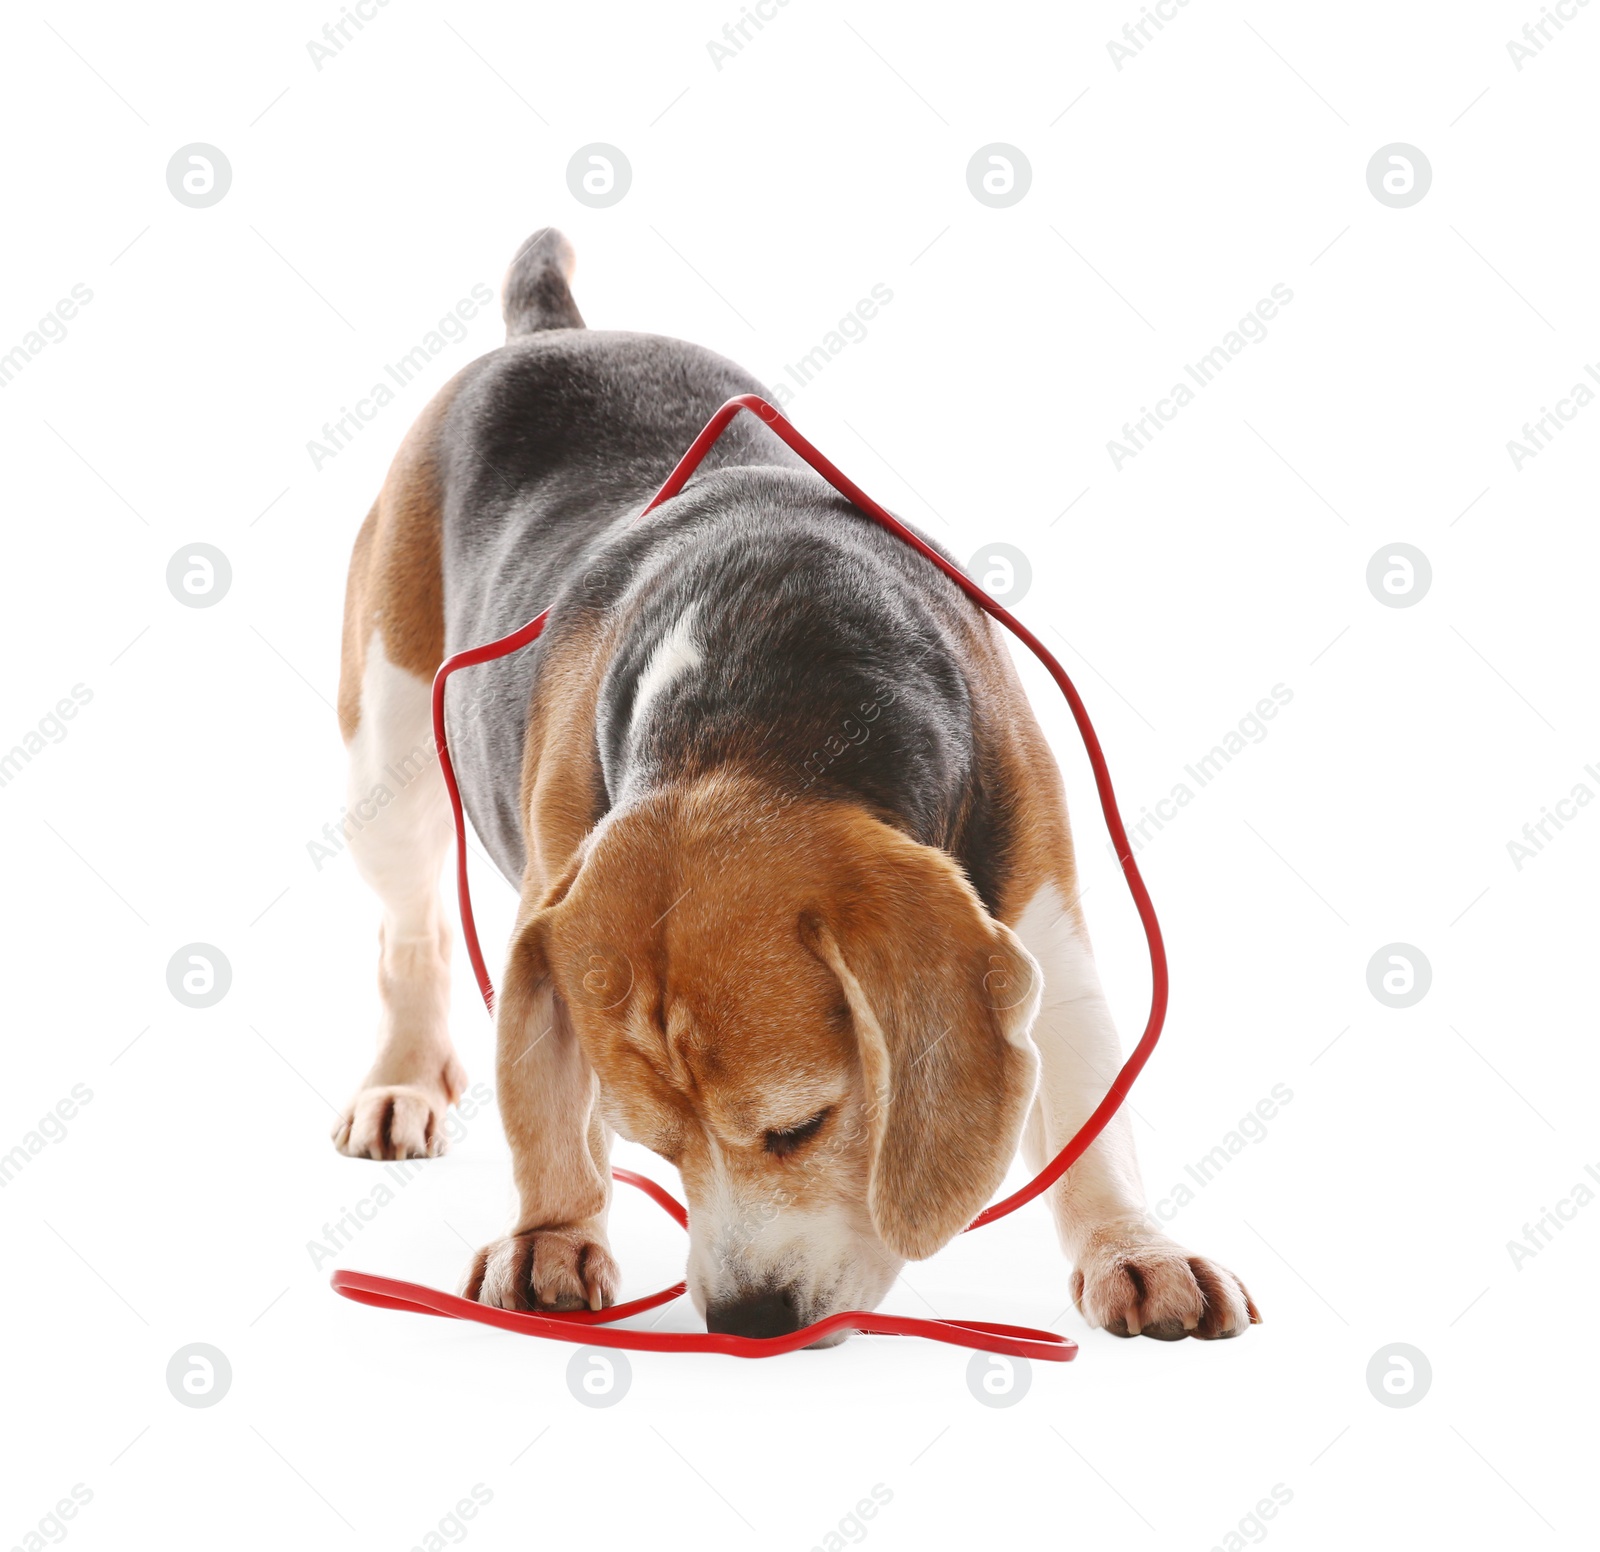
x=556, y=1255
x=1129, y=1276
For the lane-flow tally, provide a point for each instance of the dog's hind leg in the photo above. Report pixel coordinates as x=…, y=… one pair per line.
x=398, y=821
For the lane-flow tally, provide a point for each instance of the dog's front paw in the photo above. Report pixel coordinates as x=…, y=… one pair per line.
x=393, y=1121
x=1135, y=1282
x=549, y=1269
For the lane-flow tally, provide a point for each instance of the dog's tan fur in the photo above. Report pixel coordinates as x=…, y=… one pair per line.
x=396, y=581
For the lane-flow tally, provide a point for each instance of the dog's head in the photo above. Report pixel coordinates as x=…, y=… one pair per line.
x=808, y=1013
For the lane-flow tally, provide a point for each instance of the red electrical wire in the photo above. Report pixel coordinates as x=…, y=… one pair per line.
x=587, y=1326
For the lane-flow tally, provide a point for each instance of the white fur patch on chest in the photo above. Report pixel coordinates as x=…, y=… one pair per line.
x=1050, y=934
x=675, y=655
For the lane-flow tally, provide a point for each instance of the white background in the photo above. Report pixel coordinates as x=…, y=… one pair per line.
x=828, y=156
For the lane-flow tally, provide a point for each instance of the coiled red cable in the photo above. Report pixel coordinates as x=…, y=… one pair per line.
x=590, y=1327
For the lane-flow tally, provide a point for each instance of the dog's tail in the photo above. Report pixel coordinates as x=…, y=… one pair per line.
x=534, y=295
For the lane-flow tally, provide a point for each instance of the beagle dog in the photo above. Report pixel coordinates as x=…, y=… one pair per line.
x=798, y=910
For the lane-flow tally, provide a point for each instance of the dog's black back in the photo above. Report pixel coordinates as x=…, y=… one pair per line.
x=826, y=646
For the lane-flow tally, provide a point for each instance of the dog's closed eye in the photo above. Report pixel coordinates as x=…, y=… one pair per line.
x=783, y=1143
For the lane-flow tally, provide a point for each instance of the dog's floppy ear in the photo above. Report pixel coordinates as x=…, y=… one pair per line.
x=942, y=997
x=547, y=1088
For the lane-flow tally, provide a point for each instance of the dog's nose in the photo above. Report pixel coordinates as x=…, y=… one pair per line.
x=755, y=1314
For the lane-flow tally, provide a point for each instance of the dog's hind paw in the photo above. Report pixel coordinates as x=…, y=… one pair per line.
x=395, y=1121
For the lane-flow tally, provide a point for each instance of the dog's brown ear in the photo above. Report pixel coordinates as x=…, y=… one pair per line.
x=547, y=1089
x=943, y=998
